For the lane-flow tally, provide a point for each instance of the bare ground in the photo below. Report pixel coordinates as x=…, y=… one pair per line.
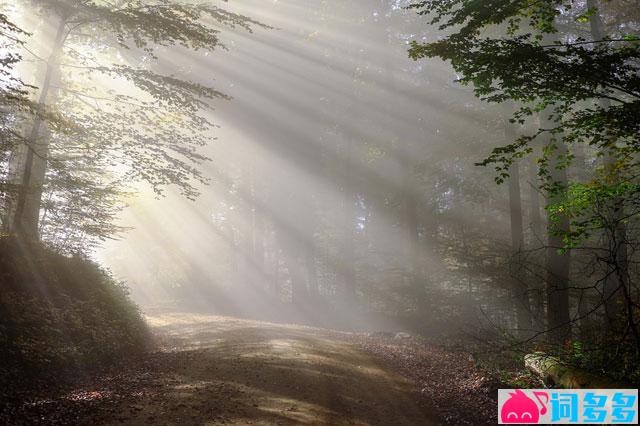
x=218, y=370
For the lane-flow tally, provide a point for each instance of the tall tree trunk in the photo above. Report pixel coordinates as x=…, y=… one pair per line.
x=535, y=218
x=346, y=267
x=538, y=240
x=312, y=270
x=616, y=273
x=409, y=207
x=519, y=290
x=243, y=237
x=558, y=264
x=291, y=248
x=27, y=207
x=410, y=227
x=258, y=246
x=275, y=277
x=258, y=218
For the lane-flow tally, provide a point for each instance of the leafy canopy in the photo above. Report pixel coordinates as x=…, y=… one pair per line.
x=543, y=56
x=135, y=113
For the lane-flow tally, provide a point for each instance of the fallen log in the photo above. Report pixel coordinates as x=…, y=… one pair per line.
x=556, y=373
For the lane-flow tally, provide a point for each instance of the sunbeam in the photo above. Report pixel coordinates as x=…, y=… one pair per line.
x=367, y=212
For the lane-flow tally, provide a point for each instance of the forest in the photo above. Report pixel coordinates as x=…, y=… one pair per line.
x=371, y=212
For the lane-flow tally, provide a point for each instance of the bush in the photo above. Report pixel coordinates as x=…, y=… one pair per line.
x=60, y=316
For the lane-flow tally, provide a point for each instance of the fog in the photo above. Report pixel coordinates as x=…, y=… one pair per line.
x=333, y=169
x=316, y=212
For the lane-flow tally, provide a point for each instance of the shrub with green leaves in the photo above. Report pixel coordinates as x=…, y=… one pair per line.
x=61, y=315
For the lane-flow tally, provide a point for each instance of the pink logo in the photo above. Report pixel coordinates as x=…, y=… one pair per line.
x=519, y=408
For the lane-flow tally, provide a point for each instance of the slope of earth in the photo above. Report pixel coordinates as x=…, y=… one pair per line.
x=219, y=370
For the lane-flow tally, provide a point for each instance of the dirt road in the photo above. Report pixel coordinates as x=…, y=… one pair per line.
x=230, y=371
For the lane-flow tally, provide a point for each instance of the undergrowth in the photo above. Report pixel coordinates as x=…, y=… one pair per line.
x=60, y=317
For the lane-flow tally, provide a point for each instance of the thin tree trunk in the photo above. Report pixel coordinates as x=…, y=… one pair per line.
x=535, y=218
x=615, y=281
x=275, y=278
x=519, y=289
x=409, y=208
x=258, y=246
x=27, y=207
x=247, y=232
x=410, y=225
x=346, y=262
x=538, y=239
x=291, y=248
x=515, y=209
x=558, y=263
x=312, y=271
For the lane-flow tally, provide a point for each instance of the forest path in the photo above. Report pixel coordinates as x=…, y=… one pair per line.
x=231, y=371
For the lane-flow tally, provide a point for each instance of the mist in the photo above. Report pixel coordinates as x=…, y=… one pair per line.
x=328, y=180
x=429, y=200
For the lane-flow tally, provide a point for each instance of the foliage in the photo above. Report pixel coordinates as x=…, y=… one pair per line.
x=593, y=208
x=61, y=315
x=12, y=88
x=13, y=91
x=588, y=88
x=574, y=67
x=133, y=113
x=612, y=358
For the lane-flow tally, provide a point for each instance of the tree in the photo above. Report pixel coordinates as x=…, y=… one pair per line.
x=14, y=102
x=558, y=260
x=614, y=281
x=552, y=58
x=520, y=291
x=151, y=126
x=520, y=66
